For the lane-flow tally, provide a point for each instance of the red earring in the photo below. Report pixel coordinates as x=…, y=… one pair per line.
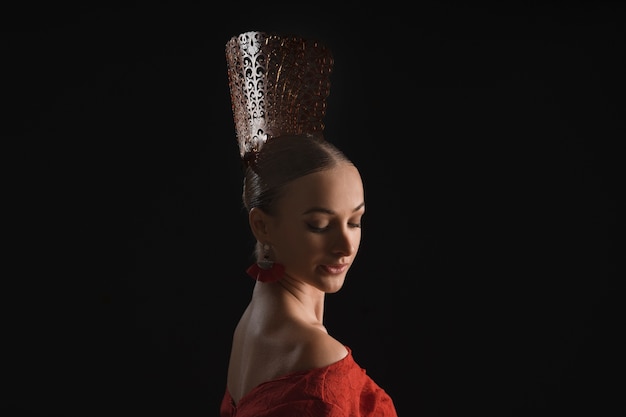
x=266, y=270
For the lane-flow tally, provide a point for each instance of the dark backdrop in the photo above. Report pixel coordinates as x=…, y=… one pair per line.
x=488, y=141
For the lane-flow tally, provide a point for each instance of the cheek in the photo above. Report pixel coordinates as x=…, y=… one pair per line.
x=301, y=247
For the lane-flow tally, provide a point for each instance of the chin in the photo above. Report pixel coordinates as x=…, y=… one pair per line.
x=333, y=284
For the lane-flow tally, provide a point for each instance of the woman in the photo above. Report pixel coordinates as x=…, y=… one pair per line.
x=305, y=201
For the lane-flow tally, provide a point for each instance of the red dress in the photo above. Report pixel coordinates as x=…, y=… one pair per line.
x=341, y=389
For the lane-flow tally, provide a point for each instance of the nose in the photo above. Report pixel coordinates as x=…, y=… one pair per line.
x=347, y=241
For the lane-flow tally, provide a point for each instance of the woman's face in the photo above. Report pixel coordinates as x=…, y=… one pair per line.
x=317, y=230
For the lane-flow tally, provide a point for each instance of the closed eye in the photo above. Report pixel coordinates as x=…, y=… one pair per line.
x=317, y=229
x=323, y=229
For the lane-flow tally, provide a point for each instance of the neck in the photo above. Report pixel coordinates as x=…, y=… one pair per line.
x=294, y=297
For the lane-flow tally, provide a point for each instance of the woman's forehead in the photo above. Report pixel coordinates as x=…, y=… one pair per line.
x=338, y=189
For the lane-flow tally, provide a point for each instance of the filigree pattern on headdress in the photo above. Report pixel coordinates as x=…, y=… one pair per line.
x=278, y=86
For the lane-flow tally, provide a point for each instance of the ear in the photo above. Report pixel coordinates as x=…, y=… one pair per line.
x=259, y=223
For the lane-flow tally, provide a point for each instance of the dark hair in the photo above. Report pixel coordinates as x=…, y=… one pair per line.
x=284, y=159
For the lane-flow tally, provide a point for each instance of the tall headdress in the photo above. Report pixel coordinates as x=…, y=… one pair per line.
x=278, y=86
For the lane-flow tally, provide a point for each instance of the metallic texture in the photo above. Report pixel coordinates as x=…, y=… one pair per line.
x=278, y=86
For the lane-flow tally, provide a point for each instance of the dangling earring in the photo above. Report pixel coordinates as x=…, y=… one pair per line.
x=266, y=270
x=266, y=262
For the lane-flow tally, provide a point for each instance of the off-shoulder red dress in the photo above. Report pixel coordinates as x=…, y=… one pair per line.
x=342, y=389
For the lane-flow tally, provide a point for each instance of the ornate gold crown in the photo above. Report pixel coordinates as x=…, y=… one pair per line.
x=278, y=86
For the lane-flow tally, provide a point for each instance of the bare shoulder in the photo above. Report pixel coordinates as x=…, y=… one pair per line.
x=261, y=355
x=319, y=349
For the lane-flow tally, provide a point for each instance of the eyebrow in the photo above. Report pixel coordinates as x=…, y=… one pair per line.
x=329, y=211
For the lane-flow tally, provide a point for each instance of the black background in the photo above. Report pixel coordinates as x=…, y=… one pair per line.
x=488, y=138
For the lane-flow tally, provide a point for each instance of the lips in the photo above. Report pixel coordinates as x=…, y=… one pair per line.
x=335, y=269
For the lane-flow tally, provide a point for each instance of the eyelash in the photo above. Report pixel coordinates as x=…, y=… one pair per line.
x=323, y=229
